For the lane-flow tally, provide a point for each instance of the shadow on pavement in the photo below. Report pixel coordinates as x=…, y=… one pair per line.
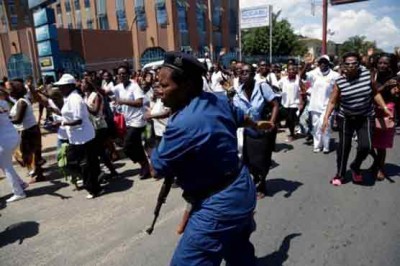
x=118, y=186
x=277, y=258
x=49, y=190
x=283, y=147
x=129, y=173
x=49, y=149
x=18, y=232
x=275, y=186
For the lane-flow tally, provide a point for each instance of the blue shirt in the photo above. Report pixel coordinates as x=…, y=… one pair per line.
x=254, y=107
x=199, y=147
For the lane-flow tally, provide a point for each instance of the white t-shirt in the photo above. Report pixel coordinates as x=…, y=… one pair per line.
x=61, y=132
x=133, y=115
x=259, y=78
x=206, y=87
x=108, y=87
x=320, y=89
x=160, y=123
x=74, y=108
x=272, y=79
x=290, y=92
x=28, y=120
x=216, y=79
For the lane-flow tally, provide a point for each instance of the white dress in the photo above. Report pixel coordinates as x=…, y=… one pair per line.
x=9, y=140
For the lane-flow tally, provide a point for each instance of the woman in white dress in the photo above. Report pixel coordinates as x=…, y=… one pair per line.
x=9, y=141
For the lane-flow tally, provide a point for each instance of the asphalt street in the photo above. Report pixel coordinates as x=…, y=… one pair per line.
x=303, y=220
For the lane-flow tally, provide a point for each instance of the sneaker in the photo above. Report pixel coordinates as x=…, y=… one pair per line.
x=15, y=198
x=90, y=196
x=317, y=150
x=326, y=151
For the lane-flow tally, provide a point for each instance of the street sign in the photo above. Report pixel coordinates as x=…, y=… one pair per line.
x=254, y=17
x=342, y=2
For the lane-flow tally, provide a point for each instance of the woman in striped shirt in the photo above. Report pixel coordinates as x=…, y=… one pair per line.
x=355, y=95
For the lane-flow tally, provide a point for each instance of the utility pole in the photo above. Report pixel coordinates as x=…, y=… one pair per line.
x=211, y=31
x=270, y=34
x=324, y=25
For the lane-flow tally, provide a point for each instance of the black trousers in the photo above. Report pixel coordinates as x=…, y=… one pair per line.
x=291, y=119
x=84, y=160
x=363, y=126
x=133, y=147
x=257, y=154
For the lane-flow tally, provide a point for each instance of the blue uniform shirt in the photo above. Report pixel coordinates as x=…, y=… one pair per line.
x=199, y=147
x=254, y=107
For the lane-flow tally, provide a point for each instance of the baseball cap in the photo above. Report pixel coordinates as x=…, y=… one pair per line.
x=324, y=57
x=65, y=79
x=185, y=63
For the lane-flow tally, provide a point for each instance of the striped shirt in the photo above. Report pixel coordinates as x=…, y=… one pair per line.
x=356, y=96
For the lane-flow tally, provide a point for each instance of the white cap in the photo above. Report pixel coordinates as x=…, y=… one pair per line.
x=326, y=57
x=65, y=80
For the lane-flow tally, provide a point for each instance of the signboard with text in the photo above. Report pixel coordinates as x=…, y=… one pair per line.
x=254, y=17
x=342, y=2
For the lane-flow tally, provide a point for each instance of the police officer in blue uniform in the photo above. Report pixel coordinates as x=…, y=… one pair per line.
x=199, y=148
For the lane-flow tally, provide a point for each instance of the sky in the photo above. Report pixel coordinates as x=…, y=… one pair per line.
x=378, y=20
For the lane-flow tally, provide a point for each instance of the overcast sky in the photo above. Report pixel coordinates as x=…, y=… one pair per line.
x=379, y=20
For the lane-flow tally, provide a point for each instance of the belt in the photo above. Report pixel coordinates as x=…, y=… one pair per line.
x=194, y=197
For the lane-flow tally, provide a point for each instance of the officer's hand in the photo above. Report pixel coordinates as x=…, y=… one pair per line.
x=147, y=115
x=265, y=125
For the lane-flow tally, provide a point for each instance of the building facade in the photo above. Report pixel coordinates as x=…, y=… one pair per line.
x=104, y=33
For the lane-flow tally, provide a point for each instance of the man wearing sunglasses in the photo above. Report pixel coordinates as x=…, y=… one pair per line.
x=355, y=94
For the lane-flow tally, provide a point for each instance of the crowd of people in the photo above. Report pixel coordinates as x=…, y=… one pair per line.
x=184, y=115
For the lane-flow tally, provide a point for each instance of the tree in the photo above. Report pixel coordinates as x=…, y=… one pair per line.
x=358, y=44
x=284, y=41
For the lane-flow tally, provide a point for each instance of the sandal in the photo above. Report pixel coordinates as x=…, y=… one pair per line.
x=336, y=181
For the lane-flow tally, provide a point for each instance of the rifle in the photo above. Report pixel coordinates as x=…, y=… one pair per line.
x=162, y=196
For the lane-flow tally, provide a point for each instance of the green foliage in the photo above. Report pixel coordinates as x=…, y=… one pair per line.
x=284, y=41
x=358, y=44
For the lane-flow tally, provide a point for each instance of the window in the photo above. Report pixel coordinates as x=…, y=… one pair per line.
x=59, y=16
x=161, y=12
x=201, y=22
x=121, y=18
x=13, y=21
x=182, y=22
x=78, y=18
x=140, y=15
x=102, y=14
x=67, y=6
x=87, y=3
x=19, y=66
x=77, y=5
x=69, y=21
x=216, y=15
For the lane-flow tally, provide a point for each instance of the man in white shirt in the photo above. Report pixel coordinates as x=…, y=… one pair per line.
x=130, y=97
x=322, y=80
x=80, y=133
x=291, y=100
x=217, y=79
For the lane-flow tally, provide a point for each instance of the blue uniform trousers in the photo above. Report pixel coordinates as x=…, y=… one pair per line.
x=207, y=241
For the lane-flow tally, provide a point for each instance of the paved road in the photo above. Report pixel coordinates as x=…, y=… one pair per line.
x=303, y=221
